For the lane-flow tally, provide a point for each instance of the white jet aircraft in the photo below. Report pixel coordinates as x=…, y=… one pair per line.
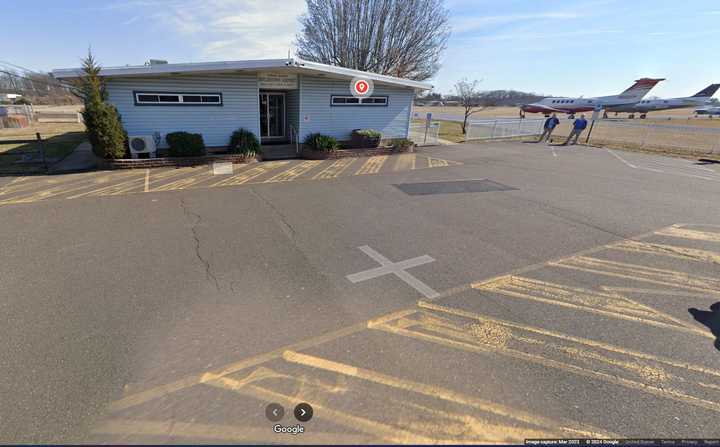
x=632, y=95
x=651, y=105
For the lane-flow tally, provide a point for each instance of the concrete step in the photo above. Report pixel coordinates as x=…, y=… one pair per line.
x=278, y=151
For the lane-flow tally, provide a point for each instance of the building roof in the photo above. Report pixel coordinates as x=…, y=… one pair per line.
x=291, y=65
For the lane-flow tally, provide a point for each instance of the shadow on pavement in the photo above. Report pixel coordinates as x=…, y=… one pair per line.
x=711, y=319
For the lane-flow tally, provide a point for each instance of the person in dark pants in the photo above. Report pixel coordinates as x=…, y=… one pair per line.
x=578, y=126
x=550, y=124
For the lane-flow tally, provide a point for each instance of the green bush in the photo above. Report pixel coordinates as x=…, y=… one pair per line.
x=320, y=142
x=185, y=144
x=401, y=144
x=104, y=130
x=368, y=133
x=245, y=142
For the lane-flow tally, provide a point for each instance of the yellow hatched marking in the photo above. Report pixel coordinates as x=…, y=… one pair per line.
x=570, y=338
x=608, y=303
x=372, y=165
x=437, y=163
x=42, y=185
x=149, y=394
x=636, y=272
x=186, y=182
x=150, y=179
x=383, y=431
x=116, y=188
x=335, y=169
x=246, y=176
x=10, y=183
x=405, y=162
x=631, y=369
x=673, y=251
x=58, y=190
x=433, y=391
x=294, y=172
x=689, y=234
x=125, y=186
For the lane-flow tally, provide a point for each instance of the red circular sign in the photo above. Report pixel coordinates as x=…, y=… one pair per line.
x=361, y=87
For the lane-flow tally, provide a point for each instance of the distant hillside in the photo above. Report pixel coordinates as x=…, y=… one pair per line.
x=38, y=88
x=490, y=98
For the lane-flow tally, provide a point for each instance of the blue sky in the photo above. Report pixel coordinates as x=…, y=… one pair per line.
x=583, y=47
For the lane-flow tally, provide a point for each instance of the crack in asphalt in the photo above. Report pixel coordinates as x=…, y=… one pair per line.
x=206, y=263
x=279, y=216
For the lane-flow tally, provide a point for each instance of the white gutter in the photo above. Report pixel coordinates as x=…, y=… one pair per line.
x=229, y=66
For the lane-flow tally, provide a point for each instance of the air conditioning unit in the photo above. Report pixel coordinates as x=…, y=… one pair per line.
x=142, y=146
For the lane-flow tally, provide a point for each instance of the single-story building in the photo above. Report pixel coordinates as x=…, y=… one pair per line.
x=280, y=100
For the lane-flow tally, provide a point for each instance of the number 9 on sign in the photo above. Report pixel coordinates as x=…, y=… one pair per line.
x=361, y=87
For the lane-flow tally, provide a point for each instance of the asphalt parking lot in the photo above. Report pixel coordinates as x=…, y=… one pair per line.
x=476, y=292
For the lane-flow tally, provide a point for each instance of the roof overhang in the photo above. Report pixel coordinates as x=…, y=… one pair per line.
x=292, y=65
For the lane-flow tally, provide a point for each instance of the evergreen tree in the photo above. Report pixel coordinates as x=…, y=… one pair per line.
x=102, y=121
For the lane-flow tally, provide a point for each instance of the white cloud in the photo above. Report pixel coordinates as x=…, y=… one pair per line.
x=226, y=29
x=475, y=23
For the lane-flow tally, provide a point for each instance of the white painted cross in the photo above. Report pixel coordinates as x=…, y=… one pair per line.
x=397, y=268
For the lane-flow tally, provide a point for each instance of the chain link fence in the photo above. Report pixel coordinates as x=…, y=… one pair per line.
x=503, y=128
x=422, y=134
x=690, y=140
x=701, y=139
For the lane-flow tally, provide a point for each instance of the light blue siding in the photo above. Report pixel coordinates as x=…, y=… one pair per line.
x=292, y=98
x=240, y=106
x=317, y=115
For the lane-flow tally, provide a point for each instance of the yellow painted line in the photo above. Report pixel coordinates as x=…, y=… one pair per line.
x=433, y=391
x=112, y=188
x=10, y=183
x=405, y=162
x=229, y=433
x=250, y=174
x=186, y=182
x=195, y=379
x=659, y=292
x=372, y=165
x=335, y=169
x=414, y=431
x=689, y=234
x=565, y=337
x=321, y=410
x=294, y=172
x=55, y=191
x=494, y=336
x=45, y=183
x=673, y=251
x=437, y=163
x=603, y=303
x=642, y=273
x=134, y=186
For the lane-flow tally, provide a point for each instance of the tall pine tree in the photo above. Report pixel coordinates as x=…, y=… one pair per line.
x=102, y=121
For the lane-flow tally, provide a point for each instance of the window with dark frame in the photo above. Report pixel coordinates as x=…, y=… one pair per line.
x=171, y=98
x=337, y=100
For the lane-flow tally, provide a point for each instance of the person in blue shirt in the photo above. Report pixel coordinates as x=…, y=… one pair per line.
x=548, y=128
x=578, y=126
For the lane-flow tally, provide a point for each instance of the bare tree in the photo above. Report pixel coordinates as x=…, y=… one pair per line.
x=403, y=38
x=469, y=97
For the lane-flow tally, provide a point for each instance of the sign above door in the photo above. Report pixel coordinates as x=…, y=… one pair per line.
x=278, y=81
